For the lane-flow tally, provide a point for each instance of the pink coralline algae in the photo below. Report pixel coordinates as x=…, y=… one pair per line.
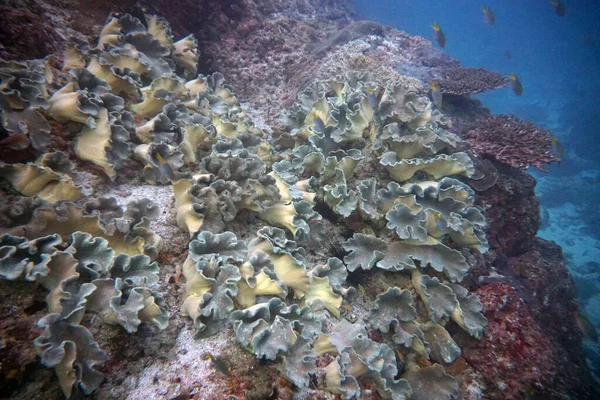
x=512, y=141
x=514, y=358
x=512, y=212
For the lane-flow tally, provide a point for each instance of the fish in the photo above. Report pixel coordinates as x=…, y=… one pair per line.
x=160, y=159
x=361, y=290
x=219, y=364
x=438, y=35
x=507, y=54
x=559, y=8
x=589, y=40
x=319, y=125
x=372, y=100
x=488, y=15
x=545, y=220
x=515, y=84
x=182, y=396
x=557, y=148
x=586, y=327
x=347, y=307
x=436, y=95
x=12, y=374
x=440, y=221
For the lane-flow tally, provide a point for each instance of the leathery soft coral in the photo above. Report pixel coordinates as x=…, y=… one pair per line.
x=84, y=278
x=382, y=156
x=90, y=261
x=282, y=306
x=23, y=94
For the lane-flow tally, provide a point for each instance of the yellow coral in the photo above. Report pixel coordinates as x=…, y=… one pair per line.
x=93, y=142
x=35, y=181
x=187, y=219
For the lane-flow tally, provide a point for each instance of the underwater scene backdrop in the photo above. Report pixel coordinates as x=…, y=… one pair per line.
x=297, y=199
x=558, y=61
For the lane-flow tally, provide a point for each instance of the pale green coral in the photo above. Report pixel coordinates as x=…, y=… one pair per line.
x=369, y=251
x=28, y=259
x=432, y=383
x=71, y=350
x=360, y=357
x=269, y=329
x=23, y=91
x=438, y=167
x=392, y=307
x=211, y=310
x=443, y=349
x=37, y=181
x=68, y=104
x=86, y=278
x=159, y=93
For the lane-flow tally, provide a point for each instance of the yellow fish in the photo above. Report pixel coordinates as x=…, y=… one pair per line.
x=160, y=159
x=515, y=84
x=559, y=8
x=586, y=327
x=438, y=35
x=557, y=148
x=439, y=220
x=488, y=15
x=361, y=290
x=319, y=125
x=436, y=95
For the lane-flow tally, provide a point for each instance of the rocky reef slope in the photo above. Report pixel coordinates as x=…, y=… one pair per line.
x=269, y=52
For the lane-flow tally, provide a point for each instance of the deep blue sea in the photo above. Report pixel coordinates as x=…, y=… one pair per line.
x=557, y=59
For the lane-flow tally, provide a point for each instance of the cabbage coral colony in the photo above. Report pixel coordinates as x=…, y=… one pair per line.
x=379, y=158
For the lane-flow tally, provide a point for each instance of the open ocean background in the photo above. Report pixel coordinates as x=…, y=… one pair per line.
x=557, y=60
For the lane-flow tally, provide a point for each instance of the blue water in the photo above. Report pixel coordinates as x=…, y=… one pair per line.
x=557, y=61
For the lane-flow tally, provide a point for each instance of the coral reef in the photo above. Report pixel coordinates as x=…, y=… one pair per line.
x=515, y=340
x=468, y=81
x=356, y=247
x=24, y=93
x=85, y=278
x=512, y=141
